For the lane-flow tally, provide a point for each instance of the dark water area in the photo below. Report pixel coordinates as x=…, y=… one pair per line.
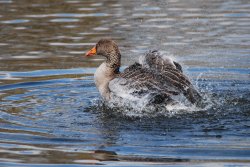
x=50, y=111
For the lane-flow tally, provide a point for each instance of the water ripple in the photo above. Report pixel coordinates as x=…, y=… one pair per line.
x=6, y=1
x=70, y=44
x=74, y=15
x=17, y=21
x=64, y=20
x=50, y=109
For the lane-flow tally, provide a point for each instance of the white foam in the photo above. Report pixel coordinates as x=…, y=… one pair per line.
x=131, y=106
x=140, y=108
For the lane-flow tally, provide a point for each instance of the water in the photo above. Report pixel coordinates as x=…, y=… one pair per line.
x=50, y=111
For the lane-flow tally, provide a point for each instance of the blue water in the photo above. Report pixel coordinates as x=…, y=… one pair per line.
x=51, y=113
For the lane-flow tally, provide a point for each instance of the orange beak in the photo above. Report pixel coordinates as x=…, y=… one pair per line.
x=91, y=52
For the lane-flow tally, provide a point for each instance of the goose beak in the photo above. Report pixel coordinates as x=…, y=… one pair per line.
x=91, y=52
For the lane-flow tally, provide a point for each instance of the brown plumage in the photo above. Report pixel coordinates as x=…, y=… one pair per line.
x=156, y=75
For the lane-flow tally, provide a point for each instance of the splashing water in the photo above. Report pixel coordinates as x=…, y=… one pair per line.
x=132, y=106
x=49, y=117
x=126, y=102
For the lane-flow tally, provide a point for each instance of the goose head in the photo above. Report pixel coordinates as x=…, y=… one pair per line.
x=109, y=49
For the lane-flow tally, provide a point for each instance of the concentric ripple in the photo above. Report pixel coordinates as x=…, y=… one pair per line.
x=51, y=112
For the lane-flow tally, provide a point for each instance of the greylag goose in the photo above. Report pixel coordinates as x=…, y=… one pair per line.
x=155, y=75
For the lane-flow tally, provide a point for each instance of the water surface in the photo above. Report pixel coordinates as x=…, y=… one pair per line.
x=50, y=111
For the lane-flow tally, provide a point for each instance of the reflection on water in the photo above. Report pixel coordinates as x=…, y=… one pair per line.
x=49, y=107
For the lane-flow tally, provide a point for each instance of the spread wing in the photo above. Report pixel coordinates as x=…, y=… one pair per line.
x=172, y=71
x=158, y=77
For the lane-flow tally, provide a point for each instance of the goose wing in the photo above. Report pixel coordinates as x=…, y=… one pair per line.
x=172, y=71
x=158, y=61
x=140, y=81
